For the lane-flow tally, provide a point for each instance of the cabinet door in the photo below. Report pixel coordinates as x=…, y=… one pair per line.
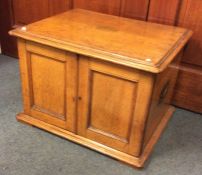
x=49, y=84
x=113, y=104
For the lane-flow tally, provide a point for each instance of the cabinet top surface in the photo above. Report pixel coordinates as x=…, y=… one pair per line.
x=138, y=44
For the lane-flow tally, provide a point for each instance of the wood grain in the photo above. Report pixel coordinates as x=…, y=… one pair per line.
x=164, y=11
x=106, y=111
x=7, y=43
x=79, y=92
x=190, y=18
x=188, y=91
x=135, y=9
x=16, y=13
x=59, y=6
x=46, y=81
x=111, y=97
x=49, y=84
x=117, y=126
x=105, y=6
x=131, y=160
x=144, y=49
x=36, y=9
x=162, y=96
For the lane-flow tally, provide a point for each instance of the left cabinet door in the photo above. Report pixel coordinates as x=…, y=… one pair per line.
x=49, y=83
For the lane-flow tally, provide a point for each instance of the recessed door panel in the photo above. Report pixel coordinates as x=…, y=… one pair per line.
x=48, y=83
x=111, y=98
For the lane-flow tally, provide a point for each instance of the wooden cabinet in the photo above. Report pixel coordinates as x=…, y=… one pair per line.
x=98, y=89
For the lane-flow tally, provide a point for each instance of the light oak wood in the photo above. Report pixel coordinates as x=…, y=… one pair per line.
x=184, y=13
x=114, y=101
x=143, y=40
x=49, y=90
x=94, y=95
x=161, y=97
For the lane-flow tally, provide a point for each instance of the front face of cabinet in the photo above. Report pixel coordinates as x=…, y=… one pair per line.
x=113, y=104
x=101, y=101
x=49, y=84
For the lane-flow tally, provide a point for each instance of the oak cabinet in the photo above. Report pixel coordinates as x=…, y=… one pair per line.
x=110, y=89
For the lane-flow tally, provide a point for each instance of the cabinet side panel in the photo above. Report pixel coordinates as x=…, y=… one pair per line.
x=162, y=95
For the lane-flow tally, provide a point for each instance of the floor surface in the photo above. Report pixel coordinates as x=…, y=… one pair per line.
x=26, y=150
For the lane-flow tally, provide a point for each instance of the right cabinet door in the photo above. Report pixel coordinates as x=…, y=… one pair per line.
x=113, y=104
